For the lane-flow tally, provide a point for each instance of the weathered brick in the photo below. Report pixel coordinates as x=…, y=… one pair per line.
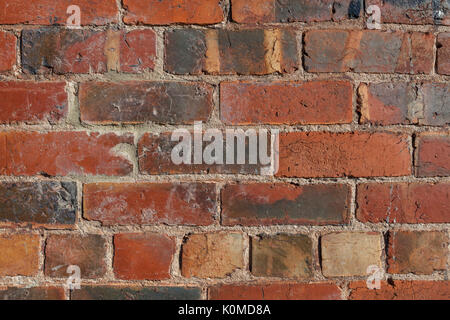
x=60, y=51
x=150, y=203
x=140, y=102
x=433, y=155
x=143, y=256
x=50, y=204
x=413, y=11
x=403, y=202
x=275, y=291
x=443, y=53
x=357, y=154
x=401, y=290
x=19, y=254
x=282, y=255
x=34, y=293
x=286, y=102
x=172, y=11
x=63, y=153
x=88, y=252
x=368, y=51
x=419, y=252
x=135, y=293
x=390, y=103
x=7, y=51
x=219, y=51
x=212, y=255
x=350, y=253
x=267, y=204
x=266, y=11
x=32, y=102
x=54, y=12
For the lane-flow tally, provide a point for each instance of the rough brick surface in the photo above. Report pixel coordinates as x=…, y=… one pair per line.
x=443, y=53
x=212, y=255
x=350, y=253
x=149, y=203
x=32, y=102
x=359, y=154
x=403, y=202
x=172, y=11
x=249, y=51
x=433, y=155
x=419, y=252
x=34, y=293
x=20, y=254
x=267, y=204
x=286, y=102
x=88, y=252
x=7, y=51
x=139, y=102
x=283, y=255
x=50, y=204
x=368, y=51
x=135, y=293
x=401, y=290
x=275, y=291
x=143, y=256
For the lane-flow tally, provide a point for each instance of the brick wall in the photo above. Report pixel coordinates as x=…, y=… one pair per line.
x=85, y=118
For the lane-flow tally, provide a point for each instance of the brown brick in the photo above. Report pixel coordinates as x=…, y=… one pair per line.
x=266, y=204
x=19, y=254
x=350, y=253
x=275, y=291
x=50, y=204
x=401, y=290
x=63, y=153
x=143, y=256
x=443, y=53
x=357, y=154
x=7, y=51
x=219, y=51
x=212, y=255
x=419, y=252
x=150, y=203
x=286, y=102
x=34, y=293
x=172, y=11
x=368, y=51
x=140, y=102
x=283, y=255
x=88, y=252
x=433, y=155
x=403, y=202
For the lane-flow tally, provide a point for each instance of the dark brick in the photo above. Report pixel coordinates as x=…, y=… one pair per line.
x=47, y=203
x=443, y=53
x=35, y=293
x=266, y=204
x=135, y=293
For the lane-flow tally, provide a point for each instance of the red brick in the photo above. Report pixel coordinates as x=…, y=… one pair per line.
x=172, y=11
x=34, y=293
x=275, y=291
x=7, y=51
x=212, y=255
x=64, y=153
x=32, y=102
x=54, y=12
x=271, y=11
x=433, y=155
x=60, y=51
x=356, y=154
x=419, y=252
x=144, y=101
x=143, y=256
x=221, y=51
x=443, y=53
x=286, y=102
x=88, y=252
x=20, y=254
x=369, y=51
x=403, y=202
x=401, y=290
x=266, y=204
x=150, y=203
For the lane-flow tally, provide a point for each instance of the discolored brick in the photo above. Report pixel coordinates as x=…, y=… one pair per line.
x=443, y=53
x=7, y=51
x=433, y=155
x=34, y=293
x=19, y=254
x=136, y=293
